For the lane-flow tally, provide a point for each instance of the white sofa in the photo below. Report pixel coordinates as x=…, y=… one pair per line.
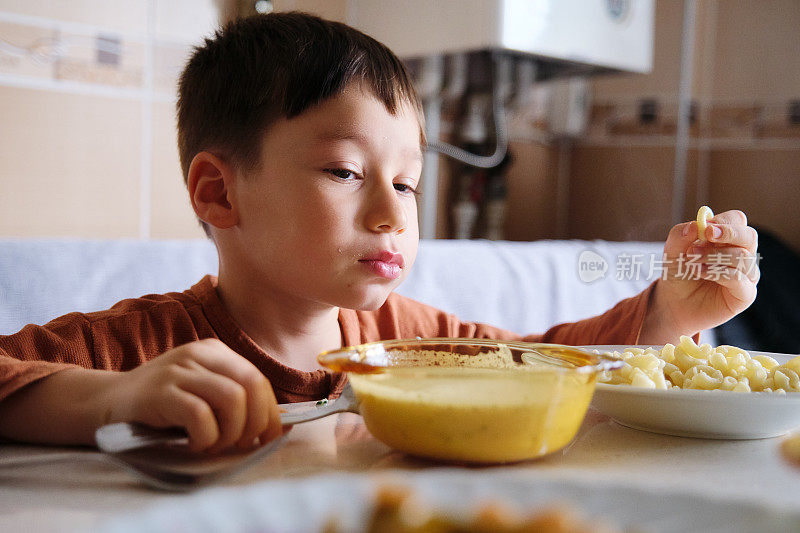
x=524, y=287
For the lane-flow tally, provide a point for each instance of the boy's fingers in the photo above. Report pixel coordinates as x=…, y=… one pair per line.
x=731, y=256
x=733, y=217
x=737, y=284
x=274, y=428
x=189, y=411
x=220, y=359
x=260, y=402
x=733, y=234
x=680, y=237
x=227, y=400
x=753, y=274
x=700, y=268
x=729, y=227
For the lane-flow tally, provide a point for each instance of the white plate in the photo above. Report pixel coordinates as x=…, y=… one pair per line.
x=292, y=505
x=699, y=413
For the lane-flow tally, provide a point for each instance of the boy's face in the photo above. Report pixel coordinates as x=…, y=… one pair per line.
x=331, y=215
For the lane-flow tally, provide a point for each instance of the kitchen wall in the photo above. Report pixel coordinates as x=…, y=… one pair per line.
x=87, y=99
x=743, y=150
x=87, y=137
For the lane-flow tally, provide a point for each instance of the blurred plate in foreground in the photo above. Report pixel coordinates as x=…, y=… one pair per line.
x=309, y=504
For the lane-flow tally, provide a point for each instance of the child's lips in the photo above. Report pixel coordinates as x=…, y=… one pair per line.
x=384, y=264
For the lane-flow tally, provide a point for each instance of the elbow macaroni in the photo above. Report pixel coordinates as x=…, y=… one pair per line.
x=689, y=366
x=703, y=215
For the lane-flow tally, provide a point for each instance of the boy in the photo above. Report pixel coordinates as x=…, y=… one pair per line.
x=301, y=146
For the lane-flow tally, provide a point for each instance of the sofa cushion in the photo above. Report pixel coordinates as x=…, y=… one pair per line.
x=525, y=287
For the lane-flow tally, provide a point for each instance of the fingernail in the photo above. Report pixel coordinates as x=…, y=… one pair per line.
x=716, y=232
x=686, y=229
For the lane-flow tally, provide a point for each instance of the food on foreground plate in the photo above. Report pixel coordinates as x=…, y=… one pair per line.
x=703, y=215
x=689, y=366
x=790, y=447
x=398, y=510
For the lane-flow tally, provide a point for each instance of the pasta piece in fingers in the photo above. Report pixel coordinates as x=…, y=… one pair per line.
x=703, y=215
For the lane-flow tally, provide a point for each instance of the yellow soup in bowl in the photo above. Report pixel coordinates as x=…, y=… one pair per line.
x=468, y=400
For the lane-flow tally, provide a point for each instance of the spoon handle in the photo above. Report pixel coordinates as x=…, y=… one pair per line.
x=320, y=410
x=127, y=436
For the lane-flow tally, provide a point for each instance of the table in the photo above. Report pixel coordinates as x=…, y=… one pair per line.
x=79, y=495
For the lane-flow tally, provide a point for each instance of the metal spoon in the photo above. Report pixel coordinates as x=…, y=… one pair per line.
x=120, y=442
x=152, y=474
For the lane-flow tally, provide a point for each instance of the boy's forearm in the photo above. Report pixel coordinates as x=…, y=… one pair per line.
x=64, y=408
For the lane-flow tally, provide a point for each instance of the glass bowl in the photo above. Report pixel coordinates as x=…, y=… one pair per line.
x=470, y=400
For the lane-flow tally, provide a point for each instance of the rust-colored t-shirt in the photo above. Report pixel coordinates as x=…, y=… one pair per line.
x=135, y=331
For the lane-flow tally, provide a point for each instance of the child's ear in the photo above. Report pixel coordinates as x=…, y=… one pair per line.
x=209, y=181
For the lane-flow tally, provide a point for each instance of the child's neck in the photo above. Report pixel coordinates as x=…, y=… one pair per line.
x=293, y=332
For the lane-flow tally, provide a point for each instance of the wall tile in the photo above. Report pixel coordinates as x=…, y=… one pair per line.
x=532, y=191
x=765, y=184
x=171, y=212
x=621, y=192
x=69, y=165
x=185, y=20
x=27, y=50
x=168, y=63
x=81, y=61
x=121, y=14
x=756, y=51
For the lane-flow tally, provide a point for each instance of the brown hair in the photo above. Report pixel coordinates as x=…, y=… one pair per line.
x=258, y=69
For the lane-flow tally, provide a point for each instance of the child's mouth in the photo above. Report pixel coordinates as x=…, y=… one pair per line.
x=385, y=264
x=382, y=268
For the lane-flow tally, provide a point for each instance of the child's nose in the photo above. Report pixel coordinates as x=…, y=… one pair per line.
x=385, y=213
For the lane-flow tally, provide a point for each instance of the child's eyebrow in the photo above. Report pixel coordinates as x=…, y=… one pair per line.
x=362, y=139
x=332, y=136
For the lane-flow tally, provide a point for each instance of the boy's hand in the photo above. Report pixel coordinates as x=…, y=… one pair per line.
x=691, y=299
x=217, y=395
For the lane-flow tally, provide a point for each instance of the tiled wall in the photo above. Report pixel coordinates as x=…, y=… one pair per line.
x=87, y=136
x=87, y=99
x=743, y=149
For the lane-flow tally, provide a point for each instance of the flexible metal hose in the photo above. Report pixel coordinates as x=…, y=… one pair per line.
x=475, y=160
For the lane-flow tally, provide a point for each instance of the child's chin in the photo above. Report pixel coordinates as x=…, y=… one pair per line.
x=371, y=302
x=372, y=305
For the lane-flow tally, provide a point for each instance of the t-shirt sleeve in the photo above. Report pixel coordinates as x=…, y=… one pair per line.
x=402, y=317
x=36, y=352
x=622, y=324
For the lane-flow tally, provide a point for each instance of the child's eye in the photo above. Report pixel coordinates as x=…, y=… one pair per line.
x=402, y=187
x=341, y=173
